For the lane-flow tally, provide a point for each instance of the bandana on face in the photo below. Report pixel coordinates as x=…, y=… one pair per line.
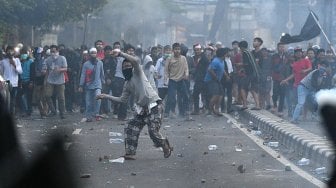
x=128, y=73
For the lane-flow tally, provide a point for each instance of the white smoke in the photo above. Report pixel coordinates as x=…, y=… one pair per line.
x=326, y=96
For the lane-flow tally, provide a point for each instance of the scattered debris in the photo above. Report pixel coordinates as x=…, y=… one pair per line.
x=233, y=164
x=278, y=156
x=19, y=126
x=106, y=157
x=116, y=140
x=189, y=136
x=77, y=131
x=303, y=162
x=114, y=134
x=321, y=170
x=241, y=168
x=205, y=153
x=212, y=147
x=238, y=149
x=85, y=176
x=203, y=180
x=119, y=160
x=54, y=127
x=228, y=121
x=100, y=159
x=91, y=129
x=133, y=174
x=288, y=168
x=263, y=155
x=179, y=155
x=248, y=130
x=167, y=126
x=273, y=144
x=257, y=133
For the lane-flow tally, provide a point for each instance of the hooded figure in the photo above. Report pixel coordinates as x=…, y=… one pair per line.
x=149, y=70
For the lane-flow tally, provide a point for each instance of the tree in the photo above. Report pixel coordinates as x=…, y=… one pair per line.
x=45, y=13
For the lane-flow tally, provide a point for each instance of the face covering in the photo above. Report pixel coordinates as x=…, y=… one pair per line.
x=24, y=56
x=128, y=73
x=166, y=56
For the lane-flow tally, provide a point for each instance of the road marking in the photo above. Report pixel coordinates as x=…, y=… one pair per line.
x=275, y=155
x=77, y=131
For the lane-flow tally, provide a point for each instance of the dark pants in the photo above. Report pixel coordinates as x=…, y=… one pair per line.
x=279, y=92
x=179, y=87
x=27, y=97
x=163, y=92
x=13, y=94
x=227, y=87
x=104, y=102
x=69, y=92
x=132, y=131
x=199, y=88
x=119, y=109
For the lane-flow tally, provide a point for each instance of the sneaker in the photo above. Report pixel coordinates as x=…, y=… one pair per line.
x=88, y=120
x=98, y=118
x=104, y=116
x=83, y=120
x=294, y=122
x=115, y=116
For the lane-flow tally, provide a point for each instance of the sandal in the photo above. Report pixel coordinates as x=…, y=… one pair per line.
x=167, y=149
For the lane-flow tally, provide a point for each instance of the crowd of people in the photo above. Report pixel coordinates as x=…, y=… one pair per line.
x=206, y=79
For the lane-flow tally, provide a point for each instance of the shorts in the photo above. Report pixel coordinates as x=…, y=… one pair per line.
x=265, y=85
x=214, y=88
x=249, y=83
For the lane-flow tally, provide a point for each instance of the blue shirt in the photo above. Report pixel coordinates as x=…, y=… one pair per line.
x=26, y=65
x=217, y=65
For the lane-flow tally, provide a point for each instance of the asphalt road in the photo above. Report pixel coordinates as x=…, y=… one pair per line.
x=192, y=164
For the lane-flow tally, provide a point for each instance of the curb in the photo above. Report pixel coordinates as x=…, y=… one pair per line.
x=311, y=146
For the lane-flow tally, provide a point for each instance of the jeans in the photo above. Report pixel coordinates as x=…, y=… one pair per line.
x=303, y=92
x=182, y=91
x=92, y=105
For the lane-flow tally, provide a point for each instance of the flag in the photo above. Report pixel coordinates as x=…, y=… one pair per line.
x=309, y=31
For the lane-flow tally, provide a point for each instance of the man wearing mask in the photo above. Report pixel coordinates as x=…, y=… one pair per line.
x=10, y=68
x=91, y=80
x=56, y=66
x=160, y=70
x=198, y=71
x=27, y=81
x=148, y=110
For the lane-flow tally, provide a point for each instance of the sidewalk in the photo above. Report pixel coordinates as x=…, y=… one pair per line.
x=311, y=144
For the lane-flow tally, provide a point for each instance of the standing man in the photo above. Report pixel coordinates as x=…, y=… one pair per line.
x=250, y=76
x=148, y=110
x=56, y=67
x=92, y=79
x=10, y=68
x=213, y=79
x=160, y=71
x=198, y=71
x=176, y=72
x=227, y=82
x=279, y=73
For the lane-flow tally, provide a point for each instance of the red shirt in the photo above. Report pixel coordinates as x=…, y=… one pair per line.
x=101, y=55
x=297, y=68
x=237, y=58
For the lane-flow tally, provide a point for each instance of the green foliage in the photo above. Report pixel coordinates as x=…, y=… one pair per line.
x=43, y=13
